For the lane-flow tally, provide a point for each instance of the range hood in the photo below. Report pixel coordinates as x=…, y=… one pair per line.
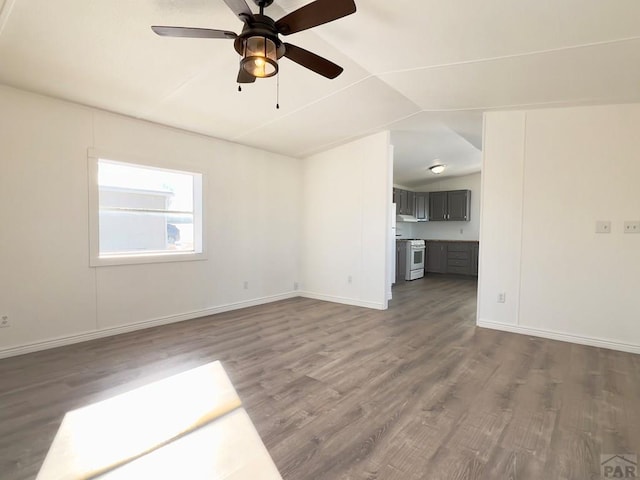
x=406, y=218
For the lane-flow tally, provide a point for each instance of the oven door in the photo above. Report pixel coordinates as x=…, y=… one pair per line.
x=416, y=260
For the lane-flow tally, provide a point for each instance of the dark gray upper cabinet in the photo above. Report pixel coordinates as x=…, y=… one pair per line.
x=411, y=200
x=421, y=206
x=458, y=205
x=404, y=201
x=397, y=199
x=450, y=206
x=437, y=206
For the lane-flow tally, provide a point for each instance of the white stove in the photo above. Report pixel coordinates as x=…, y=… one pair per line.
x=415, y=259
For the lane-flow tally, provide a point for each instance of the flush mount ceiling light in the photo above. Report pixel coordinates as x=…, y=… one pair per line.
x=437, y=169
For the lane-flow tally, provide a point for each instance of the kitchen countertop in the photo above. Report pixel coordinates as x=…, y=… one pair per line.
x=458, y=241
x=438, y=240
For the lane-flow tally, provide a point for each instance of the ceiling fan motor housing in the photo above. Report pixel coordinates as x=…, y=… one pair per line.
x=261, y=26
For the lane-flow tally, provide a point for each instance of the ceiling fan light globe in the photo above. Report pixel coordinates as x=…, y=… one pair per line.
x=260, y=57
x=260, y=67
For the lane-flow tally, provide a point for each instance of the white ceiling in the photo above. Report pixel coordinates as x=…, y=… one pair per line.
x=434, y=144
x=424, y=69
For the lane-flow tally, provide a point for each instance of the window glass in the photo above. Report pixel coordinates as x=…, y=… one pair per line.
x=146, y=211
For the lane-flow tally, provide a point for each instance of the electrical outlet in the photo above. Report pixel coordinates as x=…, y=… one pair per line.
x=502, y=297
x=349, y=279
x=603, y=226
x=4, y=321
x=631, y=227
x=295, y=285
x=246, y=285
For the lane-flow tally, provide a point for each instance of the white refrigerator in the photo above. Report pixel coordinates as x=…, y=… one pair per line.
x=391, y=253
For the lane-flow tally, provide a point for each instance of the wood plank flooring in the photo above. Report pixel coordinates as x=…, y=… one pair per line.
x=340, y=392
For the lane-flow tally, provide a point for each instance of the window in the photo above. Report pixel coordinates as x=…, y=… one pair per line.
x=143, y=214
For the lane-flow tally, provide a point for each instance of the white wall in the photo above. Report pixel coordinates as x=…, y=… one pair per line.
x=501, y=221
x=405, y=230
x=453, y=230
x=48, y=290
x=345, y=225
x=548, y=176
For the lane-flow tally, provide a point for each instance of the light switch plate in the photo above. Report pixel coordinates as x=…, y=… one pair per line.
x=603, y=226
x=631, y=227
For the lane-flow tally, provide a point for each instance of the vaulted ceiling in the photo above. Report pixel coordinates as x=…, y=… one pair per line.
x=418, y=67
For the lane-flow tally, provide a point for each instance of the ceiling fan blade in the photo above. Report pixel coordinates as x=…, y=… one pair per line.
x=189, y=32
x=312, y=61
x=240, y=8
x=245, y=77
x=314, y=14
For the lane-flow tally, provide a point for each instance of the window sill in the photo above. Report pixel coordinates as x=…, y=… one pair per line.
x=146, y=259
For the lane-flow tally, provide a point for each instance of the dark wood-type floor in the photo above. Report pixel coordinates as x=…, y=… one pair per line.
x=340, y=392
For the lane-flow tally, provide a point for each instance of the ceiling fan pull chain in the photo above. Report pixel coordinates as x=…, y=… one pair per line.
x=278, y=92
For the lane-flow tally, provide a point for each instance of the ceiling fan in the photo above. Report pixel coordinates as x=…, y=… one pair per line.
x=259, y=43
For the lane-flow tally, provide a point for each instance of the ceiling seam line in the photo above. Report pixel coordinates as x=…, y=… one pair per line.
x=514, y=55
x=177, y=89
x=577, y=102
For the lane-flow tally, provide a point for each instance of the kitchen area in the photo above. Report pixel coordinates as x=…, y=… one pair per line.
x=423, y=246
x=436, y=198
x=430, y=232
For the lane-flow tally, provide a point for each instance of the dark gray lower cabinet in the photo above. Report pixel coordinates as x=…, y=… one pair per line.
x=452, y=257
x=436, y=257
x=459, y=258
x=475, y=254
x=401, y=260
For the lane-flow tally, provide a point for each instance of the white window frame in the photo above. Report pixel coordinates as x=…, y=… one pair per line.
x=95, y=260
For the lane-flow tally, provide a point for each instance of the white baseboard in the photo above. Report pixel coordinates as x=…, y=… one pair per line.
x=107, y=332
x=343, y=300
x=563, y=337
x=110, y=331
